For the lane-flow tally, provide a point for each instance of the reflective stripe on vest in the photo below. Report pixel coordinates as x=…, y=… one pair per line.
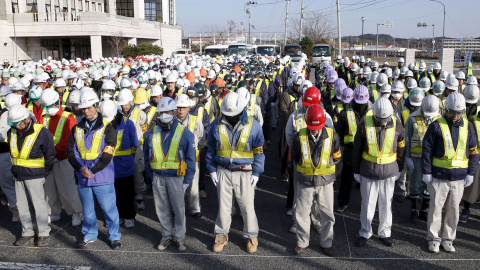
x=150, y=114
x=299, y=123
x=169, y=162
x=94, y=151
x=65, y=96
x=323, y=167
x=257, y=88
x=453, y=159
x=134, y=116
x=240, y=151
x=352, y=126
x=295, y=102
x=208, y=105
x=59, y=130
x=374, y=92
x=419, y=129
x=118, y=151
x=192, y=123
x=386, y=155
x=23, y=158
x=476, y=123
x=405, y=112
x=251, y=110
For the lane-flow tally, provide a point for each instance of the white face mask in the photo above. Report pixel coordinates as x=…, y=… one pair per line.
x=166, y=118
x=52, y=111
x=386, y=95
x=202, y=79
x=397, y=96
x=106, y=96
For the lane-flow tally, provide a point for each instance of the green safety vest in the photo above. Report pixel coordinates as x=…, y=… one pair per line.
x=385, y=155
x=323, y=168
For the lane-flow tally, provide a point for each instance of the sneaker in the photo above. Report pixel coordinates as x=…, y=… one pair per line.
x=252, y=244
x=76, y=220
x=24, y=241
x=129, y=223
x=84, y=243
x=203, y=194
x=164, y=243
x=181, y=245
x=116, y=244
x=53, y=218
x=289, y=212
x=341, y=208
x=463, y=217
x=434, y=247
x=43, y=241
x=448, y=247
x=220, y=242
x=15, y=215
x=293, y=228
x=414, y=216
x=140, y=205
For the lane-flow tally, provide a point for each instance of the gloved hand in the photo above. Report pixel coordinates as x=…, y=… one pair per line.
x=214, y=178
x=427, y=178
x=185, y=186
x=253, y=180
x=410, y=165
x=468, y=180
x=357, y=177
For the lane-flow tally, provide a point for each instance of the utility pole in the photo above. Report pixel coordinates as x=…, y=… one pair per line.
x=378, y=24
x=339, y=30
x=301, y=22
x=275, y=38
x=249, y=22
x=286, y=26
x=200, y=42
x=214, y=43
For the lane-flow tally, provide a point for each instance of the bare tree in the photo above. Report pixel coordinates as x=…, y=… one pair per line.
x=117, y=41
x=317, y=26
x=231, y=26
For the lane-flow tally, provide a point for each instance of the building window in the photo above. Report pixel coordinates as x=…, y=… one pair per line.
x=87, y=6
x=153, y=10
x=14, y=6
x=99, y=7
x=124, y=8
x=171, y=12
x=79, y=6
x=32, y=6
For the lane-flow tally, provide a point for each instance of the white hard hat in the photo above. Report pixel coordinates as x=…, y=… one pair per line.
x=96, y=75
x=126, y=83
x=443, y=75
x=430, y=106
x=5, y=90
x=166, y=72
x=398, y=86
x=451, y=83
x=171, y=78
x=211, y=74
x=403, y=70
x=35, y=93
x=455, y=102
x=471, y=94
x=472, y=80
x=386, y=88
x=16, y=114
x=18, y=86
x=425, y=84
x=25, y=82
x=412, y=83
x=12, y=80
x=151, y=74
x=108, y=109
x=112, y=71
x=60, y=83
x=108, y=85
x=231, y=105
x=65, y=74
x=396, y=73
x=437, y=66
x=382, y=108
x=124, y=97
x=182, y=101
x=438, y=87
x=156, y=91
x=166, y=104
x=408, y=73
x=389, y=72
x=305, y=85
x=39, y=79
x=71, y=75
x=49, y=97
x=373, y=77
x=243, y=95
x=78, y=83
x=125, y=70
x=460, y=75
x=88, y=98
x=382, y=79
x=401, y=60
x=74, y=97
x=12, y=99
x=416, y=96
x=354, y=67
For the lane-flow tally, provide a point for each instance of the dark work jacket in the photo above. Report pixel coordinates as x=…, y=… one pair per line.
x=433, y=146
x=372, y=170
x=43, y=147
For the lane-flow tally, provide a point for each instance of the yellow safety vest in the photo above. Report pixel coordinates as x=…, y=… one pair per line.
x=134, y=117
x=352, y=126
x=386, y=155
x=23, y=158
x=226, y=150
x=323, y=167
x=192, y=126
x=405, y=112
x=65, y=96
x=94, y=151
x=118, y=151
x=59, y=130
x=208, y=105
x=169, y=162
x=251, y=110
x=419, y=129
x=476, y=123
x=453, y=159
x=150, y=115
x=374, y=92
x=300, y=122
x=258, y=92
x=295, y=102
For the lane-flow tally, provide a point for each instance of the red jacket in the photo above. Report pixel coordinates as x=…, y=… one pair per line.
x=37, y=111
x=61, y=147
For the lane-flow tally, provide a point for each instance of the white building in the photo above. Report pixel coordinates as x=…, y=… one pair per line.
x=35, y=29
x=465, y=45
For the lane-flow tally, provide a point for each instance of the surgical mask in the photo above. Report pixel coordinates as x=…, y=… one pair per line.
x=202, y=79
x=52, y=111
x=182, y=74
x=234, y=79
x=142, y=106
x=165, y=118
x=229, y=86
x=397, y=96
x=386, y=95
x=106, y=96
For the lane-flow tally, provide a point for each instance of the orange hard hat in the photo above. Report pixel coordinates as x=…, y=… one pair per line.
x=220, y=82
x=203, y=72
x=191, y=77
x=237, y=68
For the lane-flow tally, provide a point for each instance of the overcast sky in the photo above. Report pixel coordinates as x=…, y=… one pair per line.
x=269, y=16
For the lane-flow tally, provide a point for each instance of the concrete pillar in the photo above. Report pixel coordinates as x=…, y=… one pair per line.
x=410, y=56
x=83, y=7
x=96, y=46
x=111, y=7
x=22, y=6
x=132, y=41
x=139, y=9
x=41, y=6
x=165, y=15
x=8, y=5
x=447, y=58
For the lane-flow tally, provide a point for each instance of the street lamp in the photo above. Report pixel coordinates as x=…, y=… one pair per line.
x=378, y=24
x=363, y=20
x=433, y=39
x=444, y=13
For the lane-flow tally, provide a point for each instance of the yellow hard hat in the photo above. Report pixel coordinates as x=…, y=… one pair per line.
x=140, y=96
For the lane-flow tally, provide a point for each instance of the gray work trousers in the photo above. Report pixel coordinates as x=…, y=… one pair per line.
x=193, y=193
x=140, y=186
x=32, y=191
x=61, y=190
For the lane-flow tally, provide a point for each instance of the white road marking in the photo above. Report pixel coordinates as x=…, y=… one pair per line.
x=23, y=266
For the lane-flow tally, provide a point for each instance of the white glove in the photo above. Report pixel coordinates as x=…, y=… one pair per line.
x=254, y=180
x=213, y=175
x=357, y=177
x=410, y=165
x=468, y=180
x=185, y=186
x=427, y=178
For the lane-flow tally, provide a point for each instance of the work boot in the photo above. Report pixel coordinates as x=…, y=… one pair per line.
x=15, y=215
x=414, y=216
x=43, y=241
x=423, y=215
x=164, y=243
x=181, y=245
x=252, y=245
x=220, y=242
x=299, y=250
x=24, y=241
